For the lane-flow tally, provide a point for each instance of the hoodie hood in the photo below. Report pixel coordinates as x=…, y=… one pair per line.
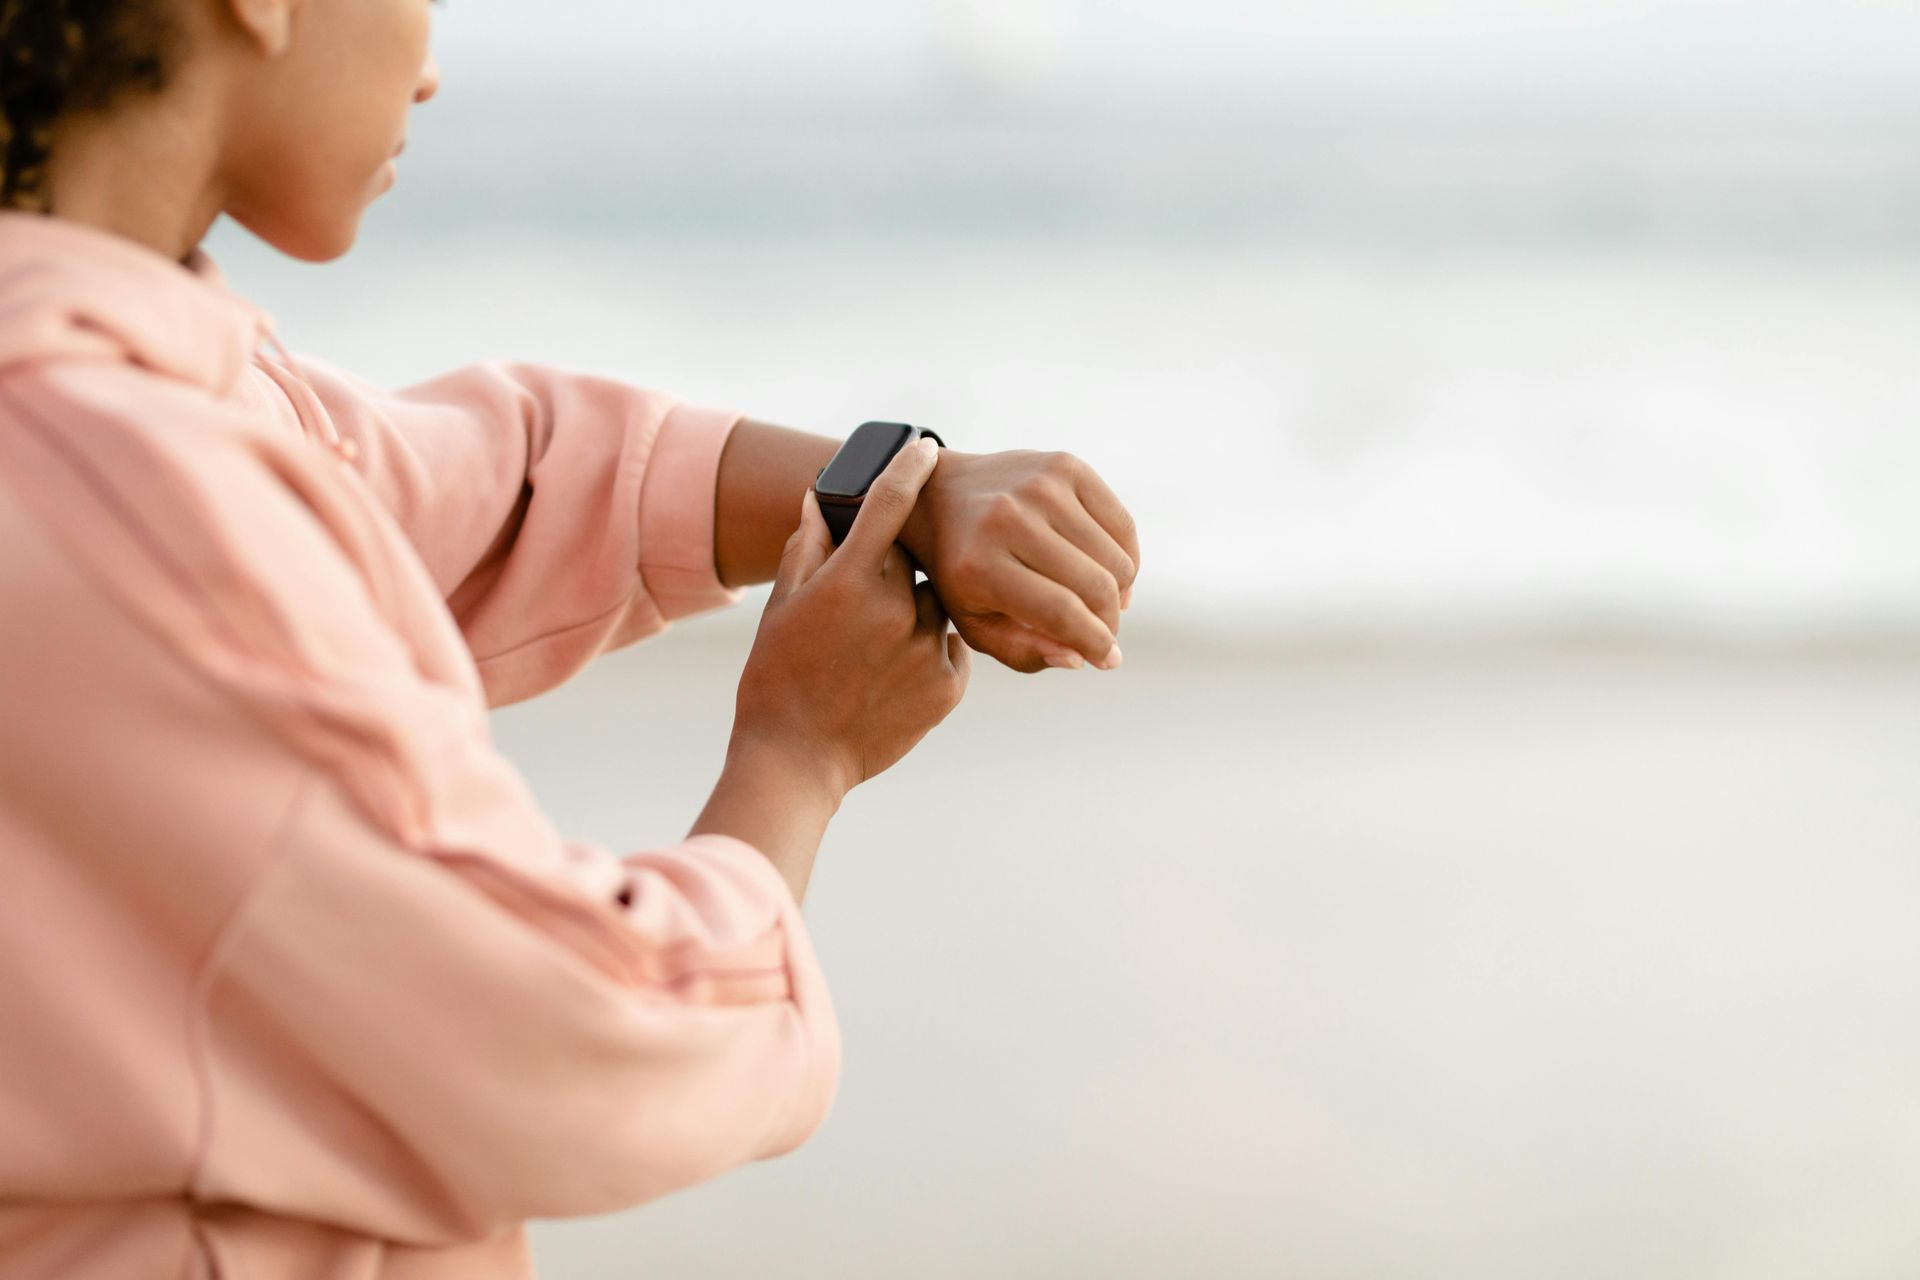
x=74, y=292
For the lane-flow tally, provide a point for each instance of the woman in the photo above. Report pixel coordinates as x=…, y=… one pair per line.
x=298, y=978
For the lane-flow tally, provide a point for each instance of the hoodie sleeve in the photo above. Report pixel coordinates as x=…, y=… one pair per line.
x=433, y=1016
x=562, y=515
x=434, y=1048
x=412, y=1008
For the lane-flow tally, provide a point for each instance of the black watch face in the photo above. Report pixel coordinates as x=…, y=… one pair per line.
x=862, y=458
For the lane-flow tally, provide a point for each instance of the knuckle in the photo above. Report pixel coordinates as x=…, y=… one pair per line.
x=831, y=592
x=1046, y=487
x=969, y=562
x=1044, y=495
x=1062, y=468
x=1003, y=513
x=891, y=500
x=1062, y=619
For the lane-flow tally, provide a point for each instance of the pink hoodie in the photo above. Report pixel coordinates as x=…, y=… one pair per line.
x=296, y=978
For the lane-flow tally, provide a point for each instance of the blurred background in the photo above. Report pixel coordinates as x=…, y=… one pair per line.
x=1496, y=856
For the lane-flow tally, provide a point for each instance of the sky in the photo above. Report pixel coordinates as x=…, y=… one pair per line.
x=1857, y=53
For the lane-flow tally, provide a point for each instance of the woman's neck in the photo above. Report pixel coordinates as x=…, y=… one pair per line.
x=148, y=174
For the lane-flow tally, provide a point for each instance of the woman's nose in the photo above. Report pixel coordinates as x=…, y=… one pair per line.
x=429, y=80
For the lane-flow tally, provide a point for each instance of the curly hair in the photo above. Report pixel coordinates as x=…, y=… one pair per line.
x=62, y=56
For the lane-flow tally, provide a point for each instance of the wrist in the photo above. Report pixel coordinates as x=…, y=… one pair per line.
x=794, y=772
x=770, y=798
x=917, y=536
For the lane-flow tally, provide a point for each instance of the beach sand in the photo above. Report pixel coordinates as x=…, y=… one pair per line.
x=1282, y=959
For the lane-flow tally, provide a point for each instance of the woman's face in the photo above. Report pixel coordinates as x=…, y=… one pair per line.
x=320, y=111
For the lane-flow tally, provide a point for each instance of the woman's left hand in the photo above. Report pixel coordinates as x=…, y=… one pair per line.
x=1031, y=554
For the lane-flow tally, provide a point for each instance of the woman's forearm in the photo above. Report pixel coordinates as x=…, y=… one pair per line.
x=763, y=471
x=778, y=801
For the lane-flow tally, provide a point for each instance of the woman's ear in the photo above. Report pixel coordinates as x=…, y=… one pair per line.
x=268, y=23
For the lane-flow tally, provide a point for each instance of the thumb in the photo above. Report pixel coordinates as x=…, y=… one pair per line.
x=807, y=549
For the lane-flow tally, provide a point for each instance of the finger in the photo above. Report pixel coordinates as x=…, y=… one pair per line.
x=1016, y=645
x=1080, y=528
x=932, y=614
x=807, y=548
x=1052, y=652
x=1054, y=611
x=1048, y=552
x=890, y=500
x=896, y=565
x=962, y=659
x=1112, y=514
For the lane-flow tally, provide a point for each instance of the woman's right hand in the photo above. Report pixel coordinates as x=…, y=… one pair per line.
x=853, y=664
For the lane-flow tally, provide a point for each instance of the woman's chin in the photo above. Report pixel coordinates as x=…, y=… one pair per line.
x=308, y=239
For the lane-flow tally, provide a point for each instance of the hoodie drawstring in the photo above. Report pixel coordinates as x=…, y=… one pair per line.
x=313, y=416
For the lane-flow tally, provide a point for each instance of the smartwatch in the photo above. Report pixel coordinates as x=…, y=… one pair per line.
x=843, y=483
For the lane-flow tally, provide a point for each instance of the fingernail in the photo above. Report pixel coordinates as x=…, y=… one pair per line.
x=928, y=449
x=1111, y=661
x=1126, y=597
x=1066, y=661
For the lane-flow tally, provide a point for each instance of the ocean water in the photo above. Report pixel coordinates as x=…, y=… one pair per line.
x=1412, y=377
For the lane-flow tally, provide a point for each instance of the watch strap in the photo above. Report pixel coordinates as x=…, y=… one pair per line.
x=839, y=520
